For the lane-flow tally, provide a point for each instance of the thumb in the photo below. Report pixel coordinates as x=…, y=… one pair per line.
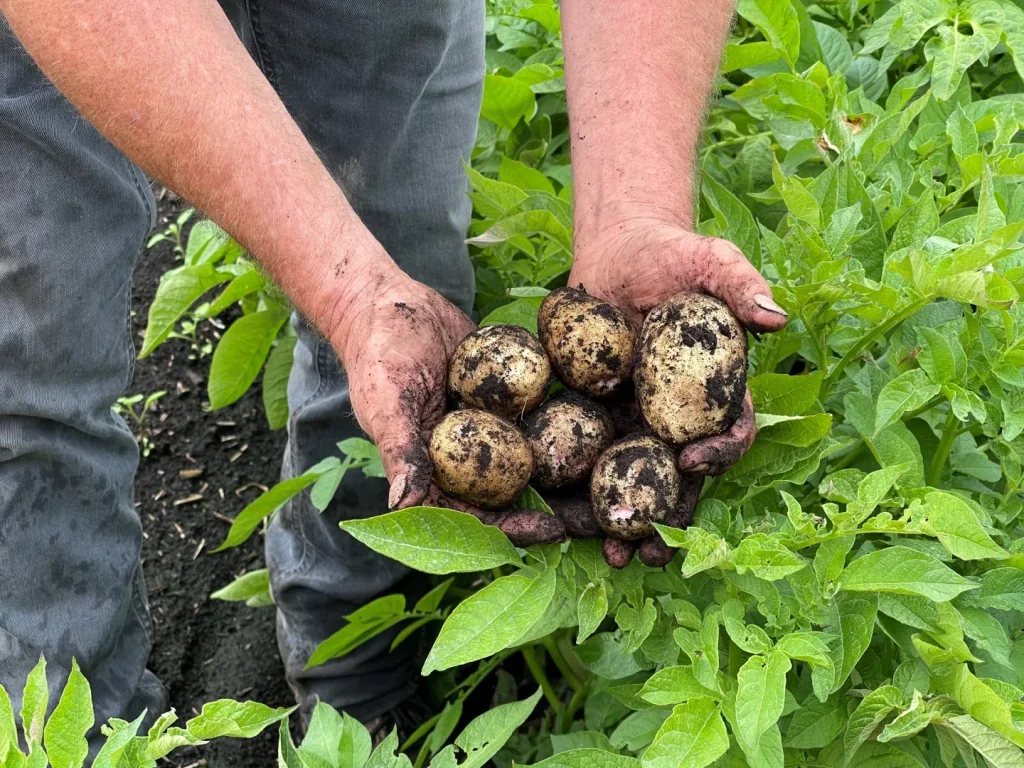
x=395, y=427
x=728, y=275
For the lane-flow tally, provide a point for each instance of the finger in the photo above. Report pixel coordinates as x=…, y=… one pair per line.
x=576, y=513
x=654, y=552
x=618, y=554
x=530, y=526
x=714, y=455
x=726, y=273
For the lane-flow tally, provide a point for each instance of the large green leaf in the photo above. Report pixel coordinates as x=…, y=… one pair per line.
x=694, y=736
x=240, y=355
x=903, y=571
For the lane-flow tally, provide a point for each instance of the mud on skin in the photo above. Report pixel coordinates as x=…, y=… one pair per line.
x=567, y=435
x=502, y=369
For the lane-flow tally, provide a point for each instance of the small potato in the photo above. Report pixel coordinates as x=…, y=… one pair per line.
x=691, y=368
x=567, y=435
x=635, y=484
x=590, y=342
x=501, y=369
x=480, y=458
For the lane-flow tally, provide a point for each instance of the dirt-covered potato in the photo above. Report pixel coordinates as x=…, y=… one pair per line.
x=590, y=342
x=635, y=484
x=480, y=458
x=567, y=435
x=691, y=368
x=501, y=369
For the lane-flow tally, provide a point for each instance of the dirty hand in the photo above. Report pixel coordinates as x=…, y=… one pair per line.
x=639, y=264
x=395, y=340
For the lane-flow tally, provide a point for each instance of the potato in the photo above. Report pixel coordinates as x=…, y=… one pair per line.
x=567, y=435
x=635, y=484
x=480, y=458
x=501, y=369
x=691, y=368
x=590, y=342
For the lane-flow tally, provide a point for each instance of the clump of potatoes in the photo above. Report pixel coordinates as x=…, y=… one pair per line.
x=629, y=400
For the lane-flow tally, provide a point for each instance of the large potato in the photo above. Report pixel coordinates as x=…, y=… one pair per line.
x=635, y=484
x=590, y=342
x=691, y=368
x=567, y=435
x=480, y=458
x=501, y=369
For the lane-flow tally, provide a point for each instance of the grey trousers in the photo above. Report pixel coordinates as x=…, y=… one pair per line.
x=388, y=92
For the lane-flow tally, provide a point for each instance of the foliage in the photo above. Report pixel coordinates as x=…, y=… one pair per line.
x=850, y=593
x=59, y=740
x=130, y=406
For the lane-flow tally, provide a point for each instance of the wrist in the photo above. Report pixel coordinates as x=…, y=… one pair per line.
x=601, y=229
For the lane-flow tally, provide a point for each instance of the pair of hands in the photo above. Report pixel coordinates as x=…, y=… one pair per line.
x=398, y=338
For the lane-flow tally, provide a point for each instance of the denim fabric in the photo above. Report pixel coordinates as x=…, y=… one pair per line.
x=388, y=92
x=74, y=214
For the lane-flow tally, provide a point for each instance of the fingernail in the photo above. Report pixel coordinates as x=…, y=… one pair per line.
x=397, y=491
x=701, y=468
x=768, y=303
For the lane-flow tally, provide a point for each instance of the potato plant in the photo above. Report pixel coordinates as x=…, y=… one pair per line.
x=851, y=593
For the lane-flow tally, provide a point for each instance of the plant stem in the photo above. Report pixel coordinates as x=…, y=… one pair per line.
x=735, y=660
x=563, y=664
x=420, y=732
x=949, y=433
x=866, y=341
x=542, y=679
x=569, y=714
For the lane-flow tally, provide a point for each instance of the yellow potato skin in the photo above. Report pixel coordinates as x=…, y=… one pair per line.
x=480, y=458
x=589, y=341
x=635, y=484
x=691, y=368
x=567, y=434
x=501, y=369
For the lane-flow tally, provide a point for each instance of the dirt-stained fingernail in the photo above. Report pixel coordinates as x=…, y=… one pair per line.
x=700, y=468
x=397, y=491
x=768, y=303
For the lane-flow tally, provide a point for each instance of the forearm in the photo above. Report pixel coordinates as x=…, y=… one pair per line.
x=639, y=74
x=172, y=87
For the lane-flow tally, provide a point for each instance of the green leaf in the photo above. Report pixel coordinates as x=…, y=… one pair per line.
x=491, y=620
x=952, y=50
x=485, y=735
x=871, y=711
x=764, y=556
x=760, y=696
x=507, y=101
x=240, y=355
x=962, y=133
x=998, y=751
x=434, y=540
x=179, y=289
x=321, y=746
x=704, y=550
x=816, y=724
x=34, y=702
x=252, y=587
x=591, y=609
x=523, y=176
x=241, y=719
x=1002, y=589
x=8, y=729
x=522, y=312
x=853, y=623
x=673, y=685
x=783, y=394
x=733, y=220
x=777, y=21
x=956, y=525
x=533, y=222
x=275, y=382
x=694, y=736
x=604, y=654
x=386, y=754
x=989, y=290
x=939, y=356
x=121, y=735
x=903, y=571
x=798, y=200
x=64, y=735
x=248, y=519
x=907, y=392
x=588, y=758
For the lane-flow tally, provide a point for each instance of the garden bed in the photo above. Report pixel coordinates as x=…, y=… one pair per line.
x=203, y=649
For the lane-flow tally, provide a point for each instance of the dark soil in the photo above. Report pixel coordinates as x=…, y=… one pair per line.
x=203, y=649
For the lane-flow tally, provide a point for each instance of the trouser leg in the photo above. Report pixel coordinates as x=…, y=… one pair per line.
x=388, y=91
x=74, y=214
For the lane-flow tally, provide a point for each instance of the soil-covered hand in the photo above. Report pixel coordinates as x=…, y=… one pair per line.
x=395, y=342
x=644, y=262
